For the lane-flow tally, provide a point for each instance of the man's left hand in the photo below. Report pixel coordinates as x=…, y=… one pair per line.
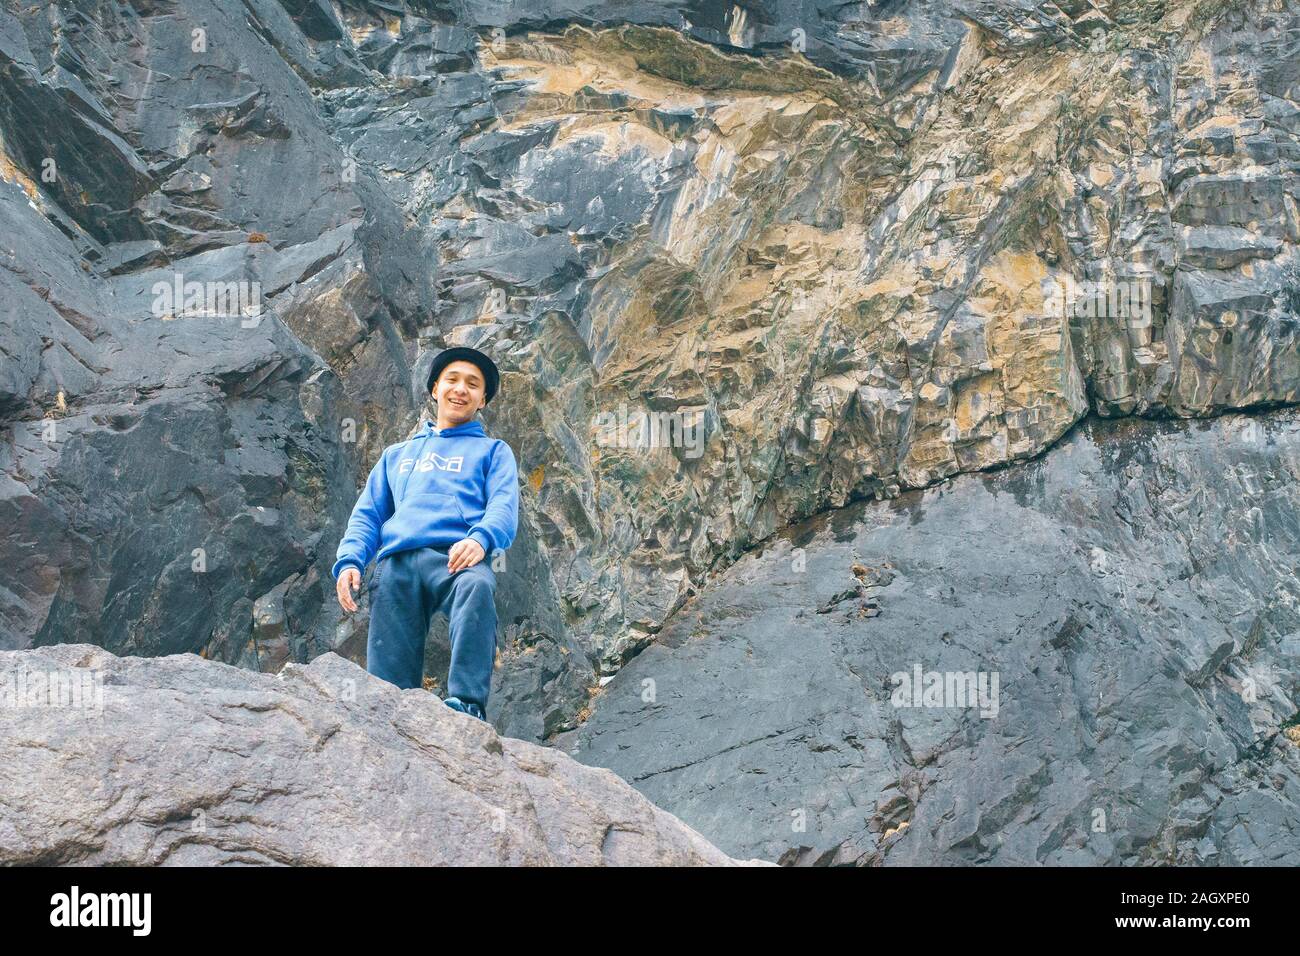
x=464, y=554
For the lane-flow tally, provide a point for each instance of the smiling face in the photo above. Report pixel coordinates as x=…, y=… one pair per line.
x=460, y=392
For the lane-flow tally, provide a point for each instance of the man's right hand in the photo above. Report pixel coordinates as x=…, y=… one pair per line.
x=348, y=582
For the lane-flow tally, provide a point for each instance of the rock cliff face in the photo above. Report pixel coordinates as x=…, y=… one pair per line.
x=809, y=255
x=1128, y=610
x=318, y=765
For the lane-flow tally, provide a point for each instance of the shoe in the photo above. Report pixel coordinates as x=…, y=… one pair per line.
x=466, y=707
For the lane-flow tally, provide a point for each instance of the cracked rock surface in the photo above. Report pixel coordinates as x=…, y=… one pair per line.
x=1135, y=592
x=320, y=765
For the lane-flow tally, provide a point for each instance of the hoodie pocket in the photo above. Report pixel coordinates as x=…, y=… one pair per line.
x=435, y=503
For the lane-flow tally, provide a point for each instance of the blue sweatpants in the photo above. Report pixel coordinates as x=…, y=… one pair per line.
x=406, y=589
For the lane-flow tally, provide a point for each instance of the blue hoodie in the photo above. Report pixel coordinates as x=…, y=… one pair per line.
x=434, y=489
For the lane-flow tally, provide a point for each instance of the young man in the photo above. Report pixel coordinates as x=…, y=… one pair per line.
x=433, y=508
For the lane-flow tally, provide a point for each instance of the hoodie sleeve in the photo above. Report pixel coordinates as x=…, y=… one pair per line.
x=501, y=518
x=373, y=508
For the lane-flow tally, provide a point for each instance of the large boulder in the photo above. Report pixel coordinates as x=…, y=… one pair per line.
x=176, y=760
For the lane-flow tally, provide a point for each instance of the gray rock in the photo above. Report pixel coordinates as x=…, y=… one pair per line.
x=1134, y=591
x=318, y=765
x=1223, y=247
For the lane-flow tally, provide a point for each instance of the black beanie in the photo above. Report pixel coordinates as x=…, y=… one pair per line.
x=462, y=353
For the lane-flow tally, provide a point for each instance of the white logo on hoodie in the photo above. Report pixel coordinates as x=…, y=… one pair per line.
x=429, y=462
